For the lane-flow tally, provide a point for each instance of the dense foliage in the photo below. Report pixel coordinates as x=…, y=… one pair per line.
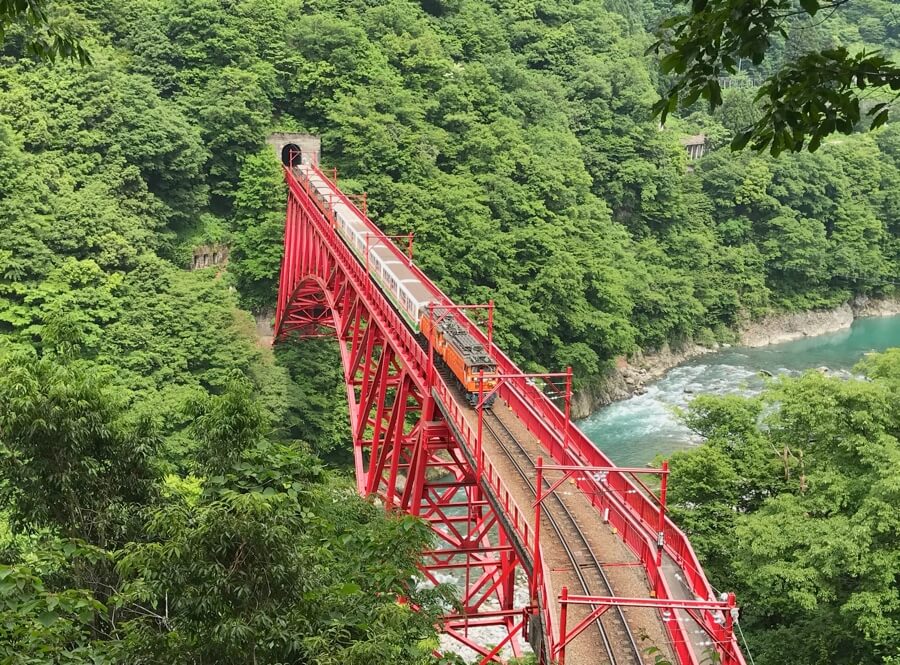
x=792, y=501
x=248, y=553
x=160, y=497
x=517, y=143
x=162, y=489
x=33, y=22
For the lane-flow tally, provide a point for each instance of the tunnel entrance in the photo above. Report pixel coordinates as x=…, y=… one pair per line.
x=290, y=154
x=300, y=147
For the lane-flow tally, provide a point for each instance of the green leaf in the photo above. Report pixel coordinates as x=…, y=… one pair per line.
x=740, y=141
x=880, y=119
x=349, y=589
x=810, y=6
x=47, y=619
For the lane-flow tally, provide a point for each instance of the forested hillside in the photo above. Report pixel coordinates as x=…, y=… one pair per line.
x=515, y=141
x=160, y=476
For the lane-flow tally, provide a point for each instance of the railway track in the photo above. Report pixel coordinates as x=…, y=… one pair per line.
x=616, y=636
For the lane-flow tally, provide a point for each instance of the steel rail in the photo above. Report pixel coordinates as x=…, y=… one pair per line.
x=604, y=580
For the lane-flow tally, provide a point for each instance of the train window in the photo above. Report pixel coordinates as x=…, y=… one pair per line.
x=407, y=300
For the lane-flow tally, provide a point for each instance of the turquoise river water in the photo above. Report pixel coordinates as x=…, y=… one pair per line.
x=633, y=431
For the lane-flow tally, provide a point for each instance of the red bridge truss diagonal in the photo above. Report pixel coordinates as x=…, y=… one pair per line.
x=417, y=448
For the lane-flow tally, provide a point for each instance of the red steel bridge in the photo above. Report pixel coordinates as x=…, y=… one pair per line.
x=553, y=548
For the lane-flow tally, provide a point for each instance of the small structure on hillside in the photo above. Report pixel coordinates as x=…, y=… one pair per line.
x=295, y=148
x=207, y=256
x=695, y=146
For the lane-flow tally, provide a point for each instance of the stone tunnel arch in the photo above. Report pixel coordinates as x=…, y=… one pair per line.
x=307, y=145
x=291, y=154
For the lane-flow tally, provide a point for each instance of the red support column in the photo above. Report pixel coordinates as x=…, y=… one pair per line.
x=563, y=612
x=661, y=535
x=568, y=408
x=536, y=555
x=729, y=629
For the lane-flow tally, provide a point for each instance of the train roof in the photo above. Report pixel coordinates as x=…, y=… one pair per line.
x=471, y=350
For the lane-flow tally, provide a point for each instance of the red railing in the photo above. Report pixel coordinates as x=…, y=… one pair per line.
x=630, y=510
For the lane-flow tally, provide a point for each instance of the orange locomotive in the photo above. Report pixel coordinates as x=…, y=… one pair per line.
x=464, y=355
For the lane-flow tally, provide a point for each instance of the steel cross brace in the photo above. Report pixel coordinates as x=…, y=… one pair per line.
x=601, y=604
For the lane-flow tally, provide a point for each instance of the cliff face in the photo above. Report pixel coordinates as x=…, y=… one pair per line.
x=788, y=327
x=630, y=375
x=265, y=327
x=863, y=306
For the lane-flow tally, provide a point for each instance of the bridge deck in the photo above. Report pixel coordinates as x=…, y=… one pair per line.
x=583, y=553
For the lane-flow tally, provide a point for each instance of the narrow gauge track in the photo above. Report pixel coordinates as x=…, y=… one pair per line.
x=618, y=640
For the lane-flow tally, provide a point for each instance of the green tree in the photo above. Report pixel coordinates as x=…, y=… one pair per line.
x=71, y=460
x=258, y=229
x=44, y=36
x=816, y=94
x=274, y=562
x=41, y=625
x=791, y=497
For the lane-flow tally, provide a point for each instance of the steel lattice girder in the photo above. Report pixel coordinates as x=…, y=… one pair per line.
x=404, y=451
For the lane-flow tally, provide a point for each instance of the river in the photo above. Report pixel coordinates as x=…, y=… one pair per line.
x=633, y=431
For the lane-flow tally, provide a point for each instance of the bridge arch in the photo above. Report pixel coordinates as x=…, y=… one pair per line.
x=312, y=312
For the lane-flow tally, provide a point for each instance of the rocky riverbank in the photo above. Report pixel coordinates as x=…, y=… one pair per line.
x=629, y=376
x=780, y=328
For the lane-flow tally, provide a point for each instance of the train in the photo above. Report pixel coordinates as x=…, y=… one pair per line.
x=459, y=351
x=464, y=355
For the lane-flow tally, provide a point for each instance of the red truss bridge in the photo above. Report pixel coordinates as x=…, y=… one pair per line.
x=553, y=548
